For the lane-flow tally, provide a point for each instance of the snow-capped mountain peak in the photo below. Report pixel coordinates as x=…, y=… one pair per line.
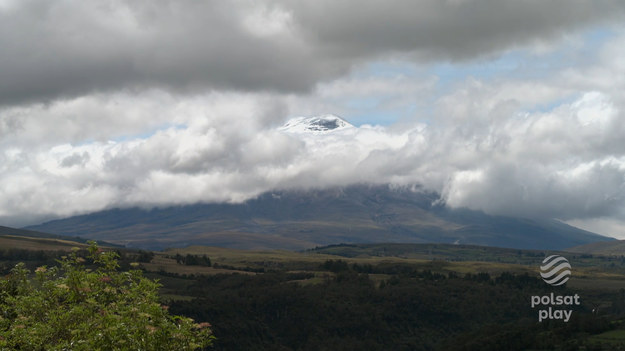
x=316, y=124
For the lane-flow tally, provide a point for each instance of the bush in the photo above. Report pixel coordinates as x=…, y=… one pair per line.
x=76, y=308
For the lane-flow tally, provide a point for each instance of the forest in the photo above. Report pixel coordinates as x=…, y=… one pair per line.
x=412, y=310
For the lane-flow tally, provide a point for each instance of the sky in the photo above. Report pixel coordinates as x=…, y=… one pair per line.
x=509, y=107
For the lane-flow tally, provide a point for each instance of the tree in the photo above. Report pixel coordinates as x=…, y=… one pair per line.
x=72, y=307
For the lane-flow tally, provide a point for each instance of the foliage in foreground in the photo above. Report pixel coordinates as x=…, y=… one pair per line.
x=75, y=308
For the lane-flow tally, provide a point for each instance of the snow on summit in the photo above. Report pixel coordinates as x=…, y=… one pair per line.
x=316, y=124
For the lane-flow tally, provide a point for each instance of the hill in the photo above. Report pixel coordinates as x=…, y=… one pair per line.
x=44, y=244
x=35, y=240
x=35, y=234
x=608, y=248
x=296, y=220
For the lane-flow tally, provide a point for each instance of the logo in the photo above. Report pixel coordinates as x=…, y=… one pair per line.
x=555, y=270
x=551, y=304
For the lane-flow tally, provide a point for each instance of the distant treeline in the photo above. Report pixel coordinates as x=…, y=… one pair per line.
x=192, y=260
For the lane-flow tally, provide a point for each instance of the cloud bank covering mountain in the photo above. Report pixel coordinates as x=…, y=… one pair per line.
x=513, y=108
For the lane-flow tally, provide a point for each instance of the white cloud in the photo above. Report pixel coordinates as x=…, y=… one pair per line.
x=225, y=147
x=528, y=165
x=161, y=127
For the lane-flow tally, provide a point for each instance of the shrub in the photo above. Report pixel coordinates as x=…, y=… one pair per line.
x=72, y=307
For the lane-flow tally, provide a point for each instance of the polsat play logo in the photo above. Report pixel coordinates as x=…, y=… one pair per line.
x=555, y=270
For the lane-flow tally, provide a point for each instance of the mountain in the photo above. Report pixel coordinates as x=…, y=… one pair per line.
x=316, y=125
x=305, y=219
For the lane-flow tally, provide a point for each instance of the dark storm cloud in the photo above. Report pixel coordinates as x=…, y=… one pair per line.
x=56, y=49
x=53, y=49
x=451, y=30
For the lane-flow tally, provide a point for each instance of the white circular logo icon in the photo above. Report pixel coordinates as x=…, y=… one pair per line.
x=555, y=270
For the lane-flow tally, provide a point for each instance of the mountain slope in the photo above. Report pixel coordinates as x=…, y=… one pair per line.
x=609, y=248
x=304, y=219
x=14, y=232
x=21, y=238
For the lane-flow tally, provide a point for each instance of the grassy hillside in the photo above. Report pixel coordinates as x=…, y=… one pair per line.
x=616, y=248
x=36, y=234
x=45, y=244
x=588, y=271
x=31, y=234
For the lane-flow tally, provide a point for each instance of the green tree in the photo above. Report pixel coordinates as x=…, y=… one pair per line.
x=72, y=307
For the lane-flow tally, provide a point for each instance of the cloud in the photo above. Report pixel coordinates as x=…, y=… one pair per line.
x=135, y=103
x=65, y=49
x=609, y=225
x=537, y=164
x=456, y=30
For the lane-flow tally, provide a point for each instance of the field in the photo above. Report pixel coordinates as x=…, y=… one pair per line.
x=589, y=272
